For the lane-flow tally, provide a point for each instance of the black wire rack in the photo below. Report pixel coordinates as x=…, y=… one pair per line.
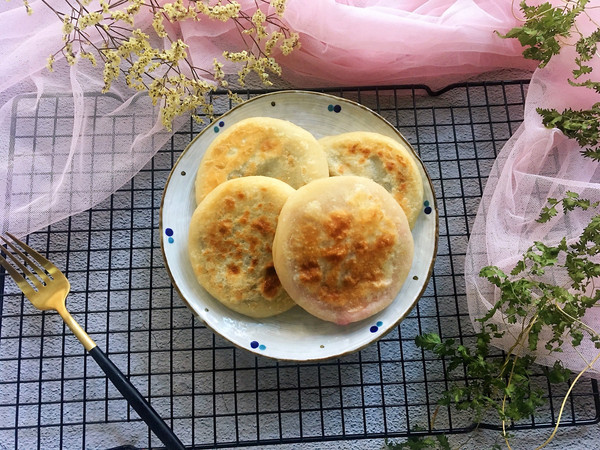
x=213, y=394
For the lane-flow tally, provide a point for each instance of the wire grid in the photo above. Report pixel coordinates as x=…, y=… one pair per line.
x=52, y=395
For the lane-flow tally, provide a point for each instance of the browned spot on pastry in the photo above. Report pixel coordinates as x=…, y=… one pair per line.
x=233, y=269
x=244, y=219
x=336, y=253
x=224, y=226
x=263, y=225
x=310, y=272
x=271, y=283
x=358, y=148
x=269, y=145
x=361, y=246
x=253, y=242
x=385, y=241
x=337, y=224
x=350, y=280
x=229, y=203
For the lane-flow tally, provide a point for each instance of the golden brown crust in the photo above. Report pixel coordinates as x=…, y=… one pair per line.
x=381, y=159
x=261, y=146
x=230, y=245
x=343, y=248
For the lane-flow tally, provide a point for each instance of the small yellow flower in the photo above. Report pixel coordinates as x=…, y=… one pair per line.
x=258, y=18
x=288, y=45
x=27, y=7
x=122, y=16
x=90, y=19
x=223, y=12
x=112, y=63
x=236, y=56
x=157, y=24
x=275, y=36
x=50, y=63
x=218, y=70
x=69, y=55
x=67, y=26
x=89, y=56
x=279, y=6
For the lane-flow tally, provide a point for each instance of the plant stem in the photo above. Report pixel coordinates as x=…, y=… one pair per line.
x=564, y=402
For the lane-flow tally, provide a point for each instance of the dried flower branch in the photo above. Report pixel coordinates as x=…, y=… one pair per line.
x=109, y=33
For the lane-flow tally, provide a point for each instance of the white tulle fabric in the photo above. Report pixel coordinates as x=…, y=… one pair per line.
x=537, y=163
x=360, y=42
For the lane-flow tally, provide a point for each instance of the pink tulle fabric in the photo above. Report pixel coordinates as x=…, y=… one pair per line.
x=536, y=164
x=359, y=42
x=379, y=42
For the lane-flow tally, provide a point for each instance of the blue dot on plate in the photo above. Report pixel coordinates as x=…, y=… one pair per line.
x=221, y=124
x=216, y=129
x=426, y=203
x=169, y=232
x=337, y=108
x=374, y=329
x=254, y=344
x=330, y=107
x=428, y=210
x=380, y=323
x=171, y=240
x=262, y=347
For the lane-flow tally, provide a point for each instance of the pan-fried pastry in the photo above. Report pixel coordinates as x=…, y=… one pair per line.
x=343, y=248
x=381, y=159
x=261, y=146
x=230, y=245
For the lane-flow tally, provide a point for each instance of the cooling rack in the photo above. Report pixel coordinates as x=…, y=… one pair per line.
x=215, y=395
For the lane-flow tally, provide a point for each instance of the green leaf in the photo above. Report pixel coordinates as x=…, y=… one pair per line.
x=557, y=373
x=582, y=125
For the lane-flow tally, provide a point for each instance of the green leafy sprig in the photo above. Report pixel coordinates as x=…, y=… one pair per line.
x=527, y=306
x=581, y=125
x=545, y=31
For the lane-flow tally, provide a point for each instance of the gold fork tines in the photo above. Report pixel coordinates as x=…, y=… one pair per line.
x=16, y=276
x=35, y=255
x=48, y=290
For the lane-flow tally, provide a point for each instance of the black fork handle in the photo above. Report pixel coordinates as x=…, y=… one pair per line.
x=137, y=401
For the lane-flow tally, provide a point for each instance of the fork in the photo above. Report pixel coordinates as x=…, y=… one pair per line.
x=48, y=291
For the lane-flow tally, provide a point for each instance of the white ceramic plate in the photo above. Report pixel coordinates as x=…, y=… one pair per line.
x=294, y=335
